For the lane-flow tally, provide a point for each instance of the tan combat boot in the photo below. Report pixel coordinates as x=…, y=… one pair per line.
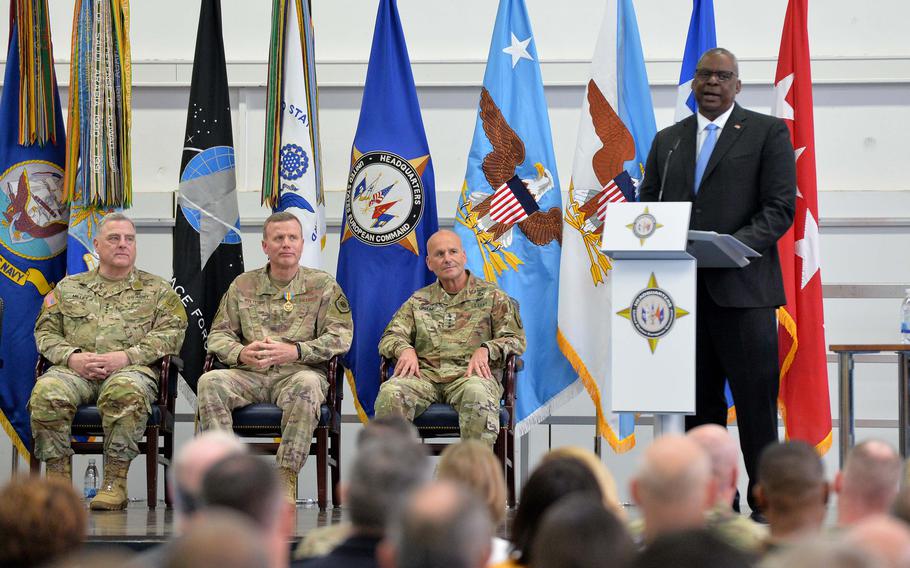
x=289, y=482
x=60, y=468
x=112, y=495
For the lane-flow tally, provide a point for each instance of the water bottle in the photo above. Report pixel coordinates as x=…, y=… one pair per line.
x=90, y=488
x=905, y=318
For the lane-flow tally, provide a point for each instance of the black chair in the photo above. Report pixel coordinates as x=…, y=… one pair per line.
x=440, y=421
x=158, y=445
x=263, y=420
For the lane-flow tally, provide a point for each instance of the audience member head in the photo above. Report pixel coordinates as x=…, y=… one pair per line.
x=792, y=490
x=192, y=462
x=474, y=465
x=822, y=552
x=579, y=532
x=884, y=537
x=868, y=483
x=250, y=485
x=723, y=452
x=220, y=539
x=604, y=478
x=673, y=486
x=550, y=482
x=40, y=520
x=691, y=548
x=387, y=426
x=385, y=471
x=441, y=525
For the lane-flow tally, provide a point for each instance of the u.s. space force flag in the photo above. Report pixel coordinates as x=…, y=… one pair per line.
x=390, y=205
x=292, y=172
x=614, y=136
x=208, y=253
x=702, y=36
x=33, y=216
x=509, y=216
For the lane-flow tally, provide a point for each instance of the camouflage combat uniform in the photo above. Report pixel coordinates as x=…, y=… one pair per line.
x=445, y=330
x=254, y=308
x=140, y=315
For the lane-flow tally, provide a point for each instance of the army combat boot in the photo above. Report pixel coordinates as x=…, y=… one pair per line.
x=60, y=468
x=289, y=482
x=112, y=496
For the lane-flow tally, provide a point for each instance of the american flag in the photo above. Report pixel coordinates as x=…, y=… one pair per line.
x=508, y=207
x=611, y=193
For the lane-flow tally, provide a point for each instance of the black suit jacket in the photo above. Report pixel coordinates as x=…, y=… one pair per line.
x=748, y=190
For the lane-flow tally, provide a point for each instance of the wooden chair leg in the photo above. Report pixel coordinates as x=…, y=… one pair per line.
x=510, y=468
x=322, y=450
x=335, y=449
x=168, y=460
x=151, y=467
x=34, y=466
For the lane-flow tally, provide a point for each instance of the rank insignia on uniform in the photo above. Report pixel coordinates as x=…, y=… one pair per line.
x=652, y=313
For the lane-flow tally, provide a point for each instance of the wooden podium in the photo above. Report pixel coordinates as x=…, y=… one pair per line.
x=653, y=311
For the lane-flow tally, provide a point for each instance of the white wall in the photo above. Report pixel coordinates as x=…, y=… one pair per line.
x=861, y=67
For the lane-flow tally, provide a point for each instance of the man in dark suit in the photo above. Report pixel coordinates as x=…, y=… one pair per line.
x=737, y=167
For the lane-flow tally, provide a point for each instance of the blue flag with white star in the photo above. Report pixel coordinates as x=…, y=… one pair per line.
x=509, y=216
x=390, y=205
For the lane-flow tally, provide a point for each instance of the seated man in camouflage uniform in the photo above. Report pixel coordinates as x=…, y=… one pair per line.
x=451, y=340
x=101, y=330
x=277, y=327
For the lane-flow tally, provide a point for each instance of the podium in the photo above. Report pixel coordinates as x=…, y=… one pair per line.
x=653, y=311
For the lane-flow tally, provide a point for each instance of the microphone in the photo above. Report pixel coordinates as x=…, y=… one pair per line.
x=663, y=178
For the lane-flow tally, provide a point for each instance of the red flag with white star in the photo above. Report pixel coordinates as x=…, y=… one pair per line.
x=804, y=401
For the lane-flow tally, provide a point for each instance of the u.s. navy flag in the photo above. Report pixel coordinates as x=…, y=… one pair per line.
x=292, y=171
x=804, y=400
x=33, y=216
x=509, y=216
x=614, y=135
x=390, y=206
x=208, y=253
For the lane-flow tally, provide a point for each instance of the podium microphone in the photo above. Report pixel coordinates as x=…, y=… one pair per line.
x=663, y=178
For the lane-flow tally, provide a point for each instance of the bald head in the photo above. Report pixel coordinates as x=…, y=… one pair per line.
x=869, y=482
x=193, y=461
x=723, y=453
x=884, y=537
x=673, y=486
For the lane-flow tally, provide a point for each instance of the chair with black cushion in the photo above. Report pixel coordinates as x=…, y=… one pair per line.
x=263, y=421
x=440, y=420
x=158, y=444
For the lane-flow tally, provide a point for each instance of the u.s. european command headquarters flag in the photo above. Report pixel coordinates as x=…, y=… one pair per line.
x=390, y=206
x=33, y=216
x=208, y=253
x=509, y=216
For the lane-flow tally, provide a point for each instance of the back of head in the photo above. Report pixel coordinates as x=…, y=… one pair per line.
x=822, y=552
x=886, y=538
x=194, y=459
x=219, y=539
x=723, y=453
x=871, y=475
x=246, y=484
x=695, y=548
x=386, y=426
x=442, y=526
x=578, y=532
x=474, y=465
x=604, y=478
x=40, y=520
x=791, y=477
x=385, y=471
x=550, y=482
x=672, y=484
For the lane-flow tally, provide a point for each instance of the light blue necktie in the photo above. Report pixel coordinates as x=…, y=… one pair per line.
x=706, y=148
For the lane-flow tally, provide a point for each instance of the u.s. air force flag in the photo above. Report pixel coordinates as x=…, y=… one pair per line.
x=292, y=171
x=509, y=216
x=390, y=206
x=614, y=135
x=33, y=216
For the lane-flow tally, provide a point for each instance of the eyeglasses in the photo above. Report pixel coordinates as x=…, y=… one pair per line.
x=722, y=76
